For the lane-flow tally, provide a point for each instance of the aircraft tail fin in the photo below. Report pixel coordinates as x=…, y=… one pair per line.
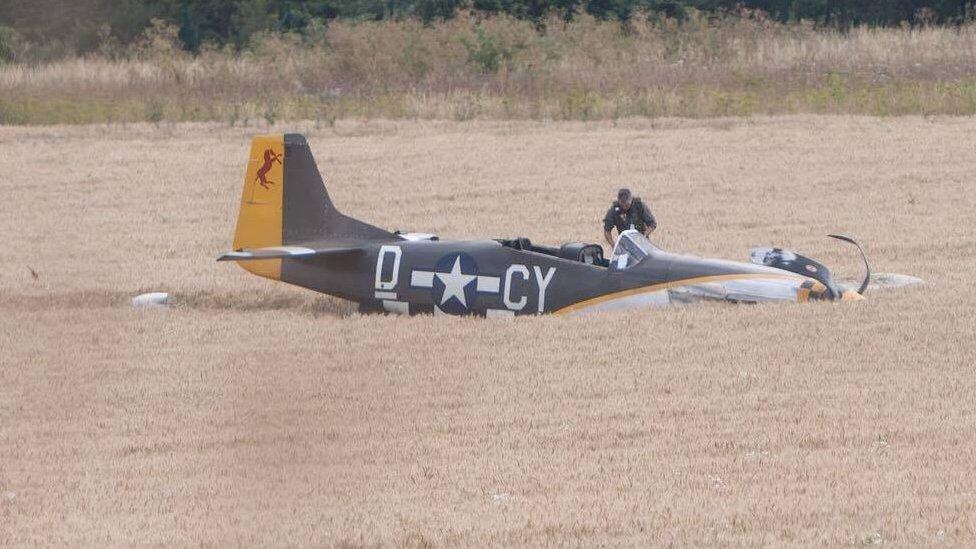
x=285, y=202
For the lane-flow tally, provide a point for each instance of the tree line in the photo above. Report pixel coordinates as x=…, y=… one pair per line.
x=81, y=26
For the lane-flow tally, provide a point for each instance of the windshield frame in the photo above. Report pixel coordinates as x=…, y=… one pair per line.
x=631, y=248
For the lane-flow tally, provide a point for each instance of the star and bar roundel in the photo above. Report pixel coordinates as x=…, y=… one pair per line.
x=454, y=282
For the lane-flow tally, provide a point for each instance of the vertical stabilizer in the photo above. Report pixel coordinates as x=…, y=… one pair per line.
x=285, y=202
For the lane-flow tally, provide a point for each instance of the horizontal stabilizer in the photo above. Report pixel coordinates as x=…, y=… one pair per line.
x=287, y=252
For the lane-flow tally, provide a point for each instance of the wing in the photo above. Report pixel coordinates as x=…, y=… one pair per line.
x=291, y=252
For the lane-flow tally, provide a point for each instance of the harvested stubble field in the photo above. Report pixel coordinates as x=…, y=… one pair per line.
x=258, y=414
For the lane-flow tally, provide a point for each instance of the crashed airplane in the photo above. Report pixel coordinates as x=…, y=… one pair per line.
x=289, y=230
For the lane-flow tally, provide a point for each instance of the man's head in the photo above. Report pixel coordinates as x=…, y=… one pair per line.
x=624, y=199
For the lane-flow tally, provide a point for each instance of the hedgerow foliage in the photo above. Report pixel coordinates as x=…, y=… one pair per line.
x=46, y=29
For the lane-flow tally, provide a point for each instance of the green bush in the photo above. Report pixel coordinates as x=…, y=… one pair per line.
x=8, y=38
x=579, y=104
x=154, y=111
x=487, y=52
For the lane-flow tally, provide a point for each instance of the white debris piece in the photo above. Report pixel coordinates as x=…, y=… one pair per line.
x=883, y=281
x=152, y=299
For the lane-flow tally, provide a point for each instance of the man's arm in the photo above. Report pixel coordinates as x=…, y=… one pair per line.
x=650, y=224
x=608, y=227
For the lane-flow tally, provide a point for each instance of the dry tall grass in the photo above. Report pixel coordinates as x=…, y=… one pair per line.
x=258, y=414
x=504, y=68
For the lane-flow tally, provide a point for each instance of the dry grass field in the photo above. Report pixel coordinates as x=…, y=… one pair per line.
x=257, y=414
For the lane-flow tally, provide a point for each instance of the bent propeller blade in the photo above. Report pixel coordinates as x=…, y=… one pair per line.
x=864, y=257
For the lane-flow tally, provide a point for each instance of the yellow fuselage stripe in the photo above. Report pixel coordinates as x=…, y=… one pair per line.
x=666, y=285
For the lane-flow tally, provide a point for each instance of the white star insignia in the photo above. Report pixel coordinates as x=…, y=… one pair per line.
x=455, y=282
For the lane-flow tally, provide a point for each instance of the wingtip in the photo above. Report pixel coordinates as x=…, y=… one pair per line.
x=233, y=256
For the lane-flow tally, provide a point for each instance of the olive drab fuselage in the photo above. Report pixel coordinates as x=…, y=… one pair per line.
x=289, y=230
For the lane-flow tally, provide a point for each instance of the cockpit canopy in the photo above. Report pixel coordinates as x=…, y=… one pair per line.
x=590, y=254
x=631, y=248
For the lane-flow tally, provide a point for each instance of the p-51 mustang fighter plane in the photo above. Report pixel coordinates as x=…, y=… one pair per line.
x=289, y=230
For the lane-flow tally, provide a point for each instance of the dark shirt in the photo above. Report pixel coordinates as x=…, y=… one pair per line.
x=638, y=217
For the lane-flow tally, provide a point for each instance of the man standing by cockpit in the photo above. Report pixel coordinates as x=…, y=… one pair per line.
x=628, y=212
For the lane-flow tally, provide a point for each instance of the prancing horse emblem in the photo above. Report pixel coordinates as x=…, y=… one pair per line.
x=270, y=157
